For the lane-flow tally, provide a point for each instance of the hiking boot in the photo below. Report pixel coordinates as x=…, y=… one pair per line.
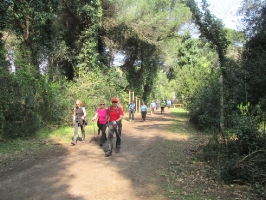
x=117, y=150
x=108, y=153
x=74, y=143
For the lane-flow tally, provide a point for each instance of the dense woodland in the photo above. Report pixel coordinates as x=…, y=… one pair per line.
x=53, y=52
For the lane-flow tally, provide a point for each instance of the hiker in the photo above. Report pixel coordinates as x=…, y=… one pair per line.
x=115, y=116
x=169, y=103
x=157, y=103
x=152, y=106
x=79, y=121
x=143, y=109
x=101, y=114
x=131, y=110
x=162, y=106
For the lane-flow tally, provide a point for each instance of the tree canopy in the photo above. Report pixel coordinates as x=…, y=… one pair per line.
x=59, y=51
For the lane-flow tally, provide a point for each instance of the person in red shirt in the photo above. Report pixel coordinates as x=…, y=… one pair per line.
x=115, y=116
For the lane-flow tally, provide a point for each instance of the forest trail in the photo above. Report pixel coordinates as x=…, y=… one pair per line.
x=156, y=162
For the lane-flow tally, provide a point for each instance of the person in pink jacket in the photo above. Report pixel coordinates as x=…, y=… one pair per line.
x=101, y=114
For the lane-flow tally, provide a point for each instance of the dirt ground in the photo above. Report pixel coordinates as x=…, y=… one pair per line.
x=140, y=170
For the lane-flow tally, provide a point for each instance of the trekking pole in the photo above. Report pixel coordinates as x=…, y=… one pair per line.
x=94, y=133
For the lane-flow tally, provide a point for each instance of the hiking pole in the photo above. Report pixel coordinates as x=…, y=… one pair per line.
x=94, y=133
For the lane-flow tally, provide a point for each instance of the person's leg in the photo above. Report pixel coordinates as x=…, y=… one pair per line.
x=133, y=115
x=144, y=116
x=129, y=115
x=75, y=137
x=103, y=129
x=118, y=132
x=82, y=127
x=99, y=128
x=110, y=140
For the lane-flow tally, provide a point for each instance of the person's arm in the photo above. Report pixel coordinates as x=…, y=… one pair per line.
x=106, y=116
x=95, y=116
x=84, y=113
x=120, y=118
x=74, y=116
x=121, y=115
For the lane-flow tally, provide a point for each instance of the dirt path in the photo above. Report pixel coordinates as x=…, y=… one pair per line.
x=150, y=153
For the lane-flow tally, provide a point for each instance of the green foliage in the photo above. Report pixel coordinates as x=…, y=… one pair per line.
x=4, y=79
x=210, y=27
x=252, y=13
x=19, y=103
x=91, y=88
x=138, y=31
x=32, y=21
x=204, y=111
x=88, y=56
x=235, y=37
x=3, y=17
x=253, y=63
x=149, y=18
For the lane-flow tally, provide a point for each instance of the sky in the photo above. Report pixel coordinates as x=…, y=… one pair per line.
x=226, y=11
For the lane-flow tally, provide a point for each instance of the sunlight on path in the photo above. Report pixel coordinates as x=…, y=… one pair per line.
x=156, y=162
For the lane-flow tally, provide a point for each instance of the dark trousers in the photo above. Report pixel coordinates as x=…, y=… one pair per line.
x=102, y=127
x=117, y=131
x=143, y=115
x=131, y=114
x=162, y=109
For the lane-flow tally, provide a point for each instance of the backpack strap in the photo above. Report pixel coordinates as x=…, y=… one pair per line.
x=117, y=110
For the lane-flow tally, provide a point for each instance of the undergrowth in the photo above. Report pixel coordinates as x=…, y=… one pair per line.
x=44, y=140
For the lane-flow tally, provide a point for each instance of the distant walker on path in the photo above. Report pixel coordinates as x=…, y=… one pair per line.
x=131, y=110
x=143, y=109
x=162, y=106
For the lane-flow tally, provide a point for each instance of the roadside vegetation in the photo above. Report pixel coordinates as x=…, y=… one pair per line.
x=54, y=52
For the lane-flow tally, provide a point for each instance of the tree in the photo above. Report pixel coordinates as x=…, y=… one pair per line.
x=139, y=30
x=253, y=56
x=212, y=29
x=32, y=22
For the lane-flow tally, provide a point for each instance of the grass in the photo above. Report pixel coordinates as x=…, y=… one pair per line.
x=43, y=141
x=184, y=175
x=181, y=124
